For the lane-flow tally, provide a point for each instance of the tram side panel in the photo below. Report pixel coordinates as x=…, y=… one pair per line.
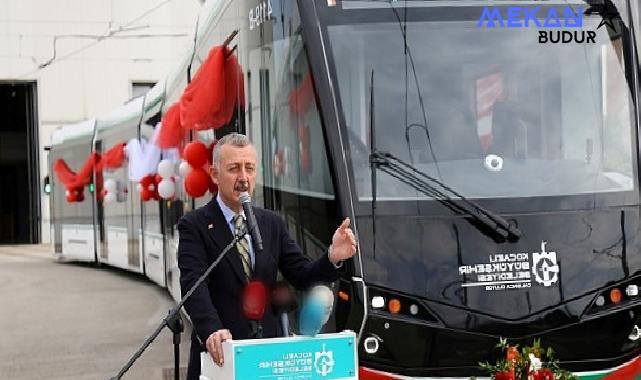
x=171, y=211
x=150, y=233
x=121, y=217
x=72, y=221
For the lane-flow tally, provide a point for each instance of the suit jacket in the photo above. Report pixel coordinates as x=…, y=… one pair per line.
x=217, y=303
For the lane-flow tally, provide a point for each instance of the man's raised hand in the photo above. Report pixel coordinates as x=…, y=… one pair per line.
x=343, y=243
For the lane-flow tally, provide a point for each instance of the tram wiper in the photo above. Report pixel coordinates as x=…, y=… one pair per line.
x=500, y=229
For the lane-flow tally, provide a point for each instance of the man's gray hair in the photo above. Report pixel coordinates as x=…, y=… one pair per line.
x=235, y=139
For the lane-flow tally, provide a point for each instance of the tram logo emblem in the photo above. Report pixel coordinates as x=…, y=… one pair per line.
x=324, y=362
x=545, y=267
x=513, y=270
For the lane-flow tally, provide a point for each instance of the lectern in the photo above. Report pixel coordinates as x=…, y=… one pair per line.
x=322, y=357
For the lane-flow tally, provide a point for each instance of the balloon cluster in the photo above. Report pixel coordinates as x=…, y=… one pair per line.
x=194, y=169
x=148, y=188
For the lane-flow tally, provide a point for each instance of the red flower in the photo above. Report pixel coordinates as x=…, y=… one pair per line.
x=512, y=355
x=504, y=375
x=543, y=374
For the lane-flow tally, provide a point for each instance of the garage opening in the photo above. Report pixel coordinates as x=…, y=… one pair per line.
x=19, y=169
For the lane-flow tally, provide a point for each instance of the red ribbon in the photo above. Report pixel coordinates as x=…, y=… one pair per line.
x=74, y=182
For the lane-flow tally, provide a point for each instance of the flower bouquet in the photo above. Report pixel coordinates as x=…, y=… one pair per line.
x=528, y=363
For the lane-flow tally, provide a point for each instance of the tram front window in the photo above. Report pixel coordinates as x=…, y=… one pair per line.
x=458, y=98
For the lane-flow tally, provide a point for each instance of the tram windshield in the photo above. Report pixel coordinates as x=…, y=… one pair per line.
x=493, y=112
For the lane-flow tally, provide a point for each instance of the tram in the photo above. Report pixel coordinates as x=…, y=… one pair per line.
x=490, y=170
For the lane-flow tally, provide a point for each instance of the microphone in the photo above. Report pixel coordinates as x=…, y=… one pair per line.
x=254, y=300
x=245, y=201
x=311, y=317
x=283, y=302
x=325, y=297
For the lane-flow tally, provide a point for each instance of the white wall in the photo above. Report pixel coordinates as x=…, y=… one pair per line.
x=101, y=46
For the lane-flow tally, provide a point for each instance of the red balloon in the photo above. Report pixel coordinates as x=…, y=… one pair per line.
x=196, y=154
x=145, y=195
x=75, y=194
x=197, y=182
x=148, y=188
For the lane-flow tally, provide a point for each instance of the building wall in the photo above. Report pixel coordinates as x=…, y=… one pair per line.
x=84, y=55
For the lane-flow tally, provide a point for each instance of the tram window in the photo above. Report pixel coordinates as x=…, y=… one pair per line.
x=560, y=129
x=288, y=130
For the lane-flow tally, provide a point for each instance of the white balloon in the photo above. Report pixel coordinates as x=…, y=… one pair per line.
x=110, y=197
x=110, y=185
x=139, y=188
x=166, y=188
x=184, y=168
x=166, y=169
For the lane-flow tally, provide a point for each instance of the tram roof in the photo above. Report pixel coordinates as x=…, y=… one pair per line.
x=131, y=111
x=155, y=98
x=72, y=131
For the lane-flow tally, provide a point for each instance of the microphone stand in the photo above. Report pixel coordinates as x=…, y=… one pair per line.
x=176, y=326
x=256, y=329
x=169, y=320
x=284, y=321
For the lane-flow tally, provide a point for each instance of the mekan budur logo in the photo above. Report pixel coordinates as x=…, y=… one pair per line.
x=555, y=25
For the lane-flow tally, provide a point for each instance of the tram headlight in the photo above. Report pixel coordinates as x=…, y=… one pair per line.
x=600, y=301
x=384, y=301
x=394, y=306
x=616, y=295
x=378, y=302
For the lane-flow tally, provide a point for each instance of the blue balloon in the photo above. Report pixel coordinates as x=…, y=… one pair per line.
x=311, y=317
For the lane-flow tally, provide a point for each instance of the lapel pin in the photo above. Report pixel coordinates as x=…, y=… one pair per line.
x=211, y=226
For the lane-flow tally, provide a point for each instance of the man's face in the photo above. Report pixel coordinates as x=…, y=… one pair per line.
x=236, y=174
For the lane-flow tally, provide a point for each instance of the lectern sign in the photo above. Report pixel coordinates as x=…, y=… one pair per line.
x=326, y=357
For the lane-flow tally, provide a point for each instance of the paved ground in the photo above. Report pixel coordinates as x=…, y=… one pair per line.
x=72, y=321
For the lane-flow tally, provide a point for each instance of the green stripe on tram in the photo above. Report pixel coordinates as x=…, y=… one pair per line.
x=593, y=377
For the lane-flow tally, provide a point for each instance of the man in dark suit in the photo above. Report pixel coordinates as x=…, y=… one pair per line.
x=215, y=308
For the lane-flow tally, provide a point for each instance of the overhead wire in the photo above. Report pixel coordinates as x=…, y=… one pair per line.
x=114, y=33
